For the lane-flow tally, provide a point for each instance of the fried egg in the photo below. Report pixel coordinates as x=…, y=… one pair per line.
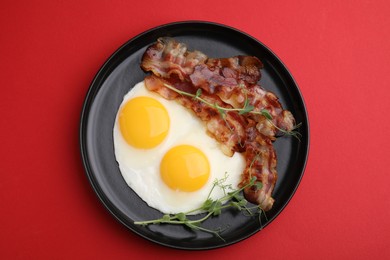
x=165, y=155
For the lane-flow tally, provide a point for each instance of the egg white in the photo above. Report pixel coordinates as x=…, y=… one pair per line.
x=140, y=168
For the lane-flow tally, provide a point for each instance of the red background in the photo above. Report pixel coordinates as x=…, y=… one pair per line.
x=338, y=52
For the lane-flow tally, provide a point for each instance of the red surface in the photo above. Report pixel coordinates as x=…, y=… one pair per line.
x=338, y=52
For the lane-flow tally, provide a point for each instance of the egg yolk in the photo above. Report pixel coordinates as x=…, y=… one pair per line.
x=144, y=122
x=185, y=168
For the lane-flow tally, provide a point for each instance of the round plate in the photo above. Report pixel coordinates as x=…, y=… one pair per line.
x=122, y=71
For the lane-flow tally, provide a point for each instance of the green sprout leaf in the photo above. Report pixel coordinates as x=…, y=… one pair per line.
x=166, y=218
x=243, y=202
x=248, y=108
x=221, y=111
x=259, y=185
x=198, y=93
x=236, y=205
x=181, y=217
x=207, y=204
x=266, y=114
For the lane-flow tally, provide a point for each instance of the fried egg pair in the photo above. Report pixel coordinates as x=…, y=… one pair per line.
x=165, y=155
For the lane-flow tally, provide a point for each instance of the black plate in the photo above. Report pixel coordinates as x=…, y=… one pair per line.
x=122, y=71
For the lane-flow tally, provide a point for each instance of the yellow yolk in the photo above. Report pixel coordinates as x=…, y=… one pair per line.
x=185, y=168
x=144, y=122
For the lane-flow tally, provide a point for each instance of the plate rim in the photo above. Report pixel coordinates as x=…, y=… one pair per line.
x=93, y=90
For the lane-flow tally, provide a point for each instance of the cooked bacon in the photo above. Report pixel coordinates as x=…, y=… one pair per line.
x=167, y=57
x=229, y=83
x=261, y=162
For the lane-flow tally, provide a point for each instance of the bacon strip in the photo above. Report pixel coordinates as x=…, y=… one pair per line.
x=261, y=162
x=228, y=82
x=167, y=57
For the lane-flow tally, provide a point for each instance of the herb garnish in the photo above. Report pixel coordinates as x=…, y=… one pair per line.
x=232, y=199
x=247, y=108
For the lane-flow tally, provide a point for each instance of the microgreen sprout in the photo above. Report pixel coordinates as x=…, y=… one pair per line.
x=232, y=198
x=247, y=108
